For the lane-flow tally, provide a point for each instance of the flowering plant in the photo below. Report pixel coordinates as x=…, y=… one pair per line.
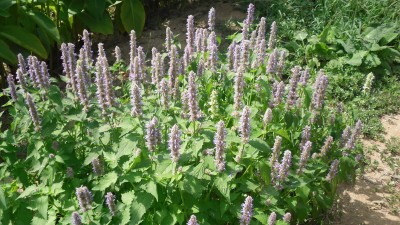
x=198, y=137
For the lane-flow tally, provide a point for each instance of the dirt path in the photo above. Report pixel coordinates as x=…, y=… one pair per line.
x=367, y=201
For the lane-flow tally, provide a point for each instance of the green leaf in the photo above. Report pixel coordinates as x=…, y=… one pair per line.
x=372, y=60
x=41, y=204
x=102, y=24
x=106, y=181
x=2, y=199
x=24, y=39
x=127, y=146
x=46, y=24
x=29, y=190
x=151, y=188
x=303, y=192
x=95, y=7
x=74, y=6
x=222, y=185
x=139, y=207
x=90, y=158
x=7, y=54
x=125, y=216
x=133, y=16
x=357, y=58
x=192, y=186
x=300, y=35
x=127, y=198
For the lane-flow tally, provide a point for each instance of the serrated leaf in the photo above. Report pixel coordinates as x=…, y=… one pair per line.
x=106, y=181
x=128, y=197
x=222, y=185
x=139, y=207
x=29, y=190
x=192, y=186
x=300, y=35
x=151, y=188
x=41, y=204
x=133, y=16
x=126, y=147
x=125, y=216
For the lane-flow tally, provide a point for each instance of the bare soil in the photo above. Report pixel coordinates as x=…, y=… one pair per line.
x=366, y=201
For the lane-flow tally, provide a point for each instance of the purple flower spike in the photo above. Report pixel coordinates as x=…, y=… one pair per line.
x=85, y=198
x=76, y=219
x=192, y=220
x=272, y=219
x=132, y=44
x=153, y=135
x=244, y=125
x=174, y=143
x=247, y=211
x=272, y=36
x=211, y=19
x=13, y=89
x=194, y=109
x=219, y=141
x=97, y=166
x=136, y=100
x=33, y=112
x=333, y=170
x=110, y=202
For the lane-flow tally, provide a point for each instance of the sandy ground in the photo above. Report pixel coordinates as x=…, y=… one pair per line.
x=365, y=202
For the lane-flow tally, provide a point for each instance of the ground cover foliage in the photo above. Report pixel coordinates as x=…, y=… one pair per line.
x=199, y=135
x=348, y=39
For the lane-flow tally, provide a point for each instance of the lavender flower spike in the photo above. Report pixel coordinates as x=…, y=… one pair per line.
x=272, y=219
x=238, y=91
x=272, y=36
x=276, y=150
x=267, y=117
x=136, y=100
x=21, y=80
x=132, y=43
x=164, y=92
x=190, y=34
x=283, y=169
x=192, y=98
x=250, y=14
x=11, y=84
x=21, y=63
x=244, y=125
x=110, y=202
x=100, y=88
x=85, y=198
x=333, y=170
x=82, y=87
x=247, y=211
x=320, y=87
x=76, y=219
x=174, y=143
x=287, y=217
x=33, y=112
x=97, y=166
x=192, y=220
x=118, y=55
x=168, y=39
x=305, y=136
x=219, y=141
x=273, y=61
x=211, y=19
x=305, y=154
x=153, y=135
x=213, y=103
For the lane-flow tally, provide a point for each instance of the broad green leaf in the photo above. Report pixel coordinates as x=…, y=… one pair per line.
x=151, y=188
x=102, y=24
x=5, y=4
x=24, y=39
x=125, y=216
x=127, y=146
x=74, y=6
x=7, y=54
x=372, y=60
x=133, y=16
x=106, y=181
x=357, y=58
x=139, y=207
x=222, y=185
x=192, y=186
x=95, y=7
x=46, y=24
x=29, y=190
x=300, y=35
x=41, y=204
